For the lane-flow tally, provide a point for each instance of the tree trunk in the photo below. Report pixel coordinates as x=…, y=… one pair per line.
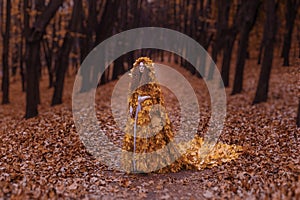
x=62, y=62
x=241, y=59
x=298, y=38
x=133, y=22
x=261, y=48
x=222, y=25
x=26, y=33
x=230, y=39
x=262, y=45
x=263, y=84
x=5, y=55
x=118, y=67
x=298, y=116
x=2, y=17
x=33, y=48
x=88, y=41
x=105, y=29
x=249, y=12
x=48, y=56
x=40, y=7
x=15, y=60
x=290, y=16
x=22, y=73
x=48, y=53
x=21, y=21
x=32, y=79
x=61, y=67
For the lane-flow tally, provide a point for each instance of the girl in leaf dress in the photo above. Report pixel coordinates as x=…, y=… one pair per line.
x=148, y=142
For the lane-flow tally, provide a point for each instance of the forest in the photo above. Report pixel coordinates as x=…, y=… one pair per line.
x=255, y=45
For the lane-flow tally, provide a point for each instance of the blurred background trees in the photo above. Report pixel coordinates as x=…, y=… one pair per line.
x=52, y=38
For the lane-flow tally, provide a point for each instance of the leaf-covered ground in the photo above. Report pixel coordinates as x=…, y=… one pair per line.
x=44, y=158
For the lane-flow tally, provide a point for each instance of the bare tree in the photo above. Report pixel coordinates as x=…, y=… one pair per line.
x=33, y=47
x=62, y=62
x=5, y=54
x=88, y=43
x=262, y=46
x=290, y=16
x=249, y=14
x=270, y=33
x=103, y=30
x=48, y=56
x=298, y=116
x=230, y=37
x=221, y=26
x=119, y=68
x=105, y=27
x=298, y=38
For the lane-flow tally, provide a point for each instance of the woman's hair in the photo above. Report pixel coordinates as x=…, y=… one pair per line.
x=144, y=77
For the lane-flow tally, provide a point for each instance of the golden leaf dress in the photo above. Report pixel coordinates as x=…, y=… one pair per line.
x=149, y=130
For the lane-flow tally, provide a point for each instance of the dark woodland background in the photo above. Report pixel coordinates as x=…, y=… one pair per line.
x=54, y=36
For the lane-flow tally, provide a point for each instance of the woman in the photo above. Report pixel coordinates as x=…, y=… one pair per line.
x=149, y=132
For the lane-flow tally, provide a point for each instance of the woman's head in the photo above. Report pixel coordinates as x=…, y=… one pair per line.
x=142, y=73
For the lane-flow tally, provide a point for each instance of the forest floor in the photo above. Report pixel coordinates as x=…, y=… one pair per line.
x=44, y=158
